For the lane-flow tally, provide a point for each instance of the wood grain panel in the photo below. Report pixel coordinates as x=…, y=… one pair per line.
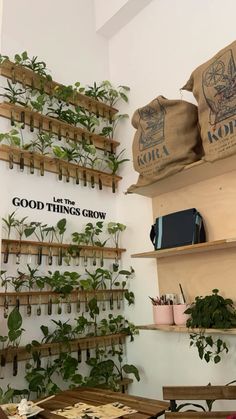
x=201, y=272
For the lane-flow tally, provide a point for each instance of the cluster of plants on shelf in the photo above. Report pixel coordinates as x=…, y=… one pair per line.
x=106, y=369
x=57, y=103
x=66, y=365
x=83, y=154
x=91, y=235
x=210, y=312
x=63, y=283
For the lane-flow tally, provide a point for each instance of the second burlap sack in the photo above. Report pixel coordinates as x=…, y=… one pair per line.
x=214, y=87
x=166, y=140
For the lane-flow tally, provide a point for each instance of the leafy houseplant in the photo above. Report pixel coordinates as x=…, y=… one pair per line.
x=211, y=311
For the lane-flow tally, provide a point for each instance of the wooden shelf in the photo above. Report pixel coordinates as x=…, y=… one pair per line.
x=74, y=296
x=54, y=348
x=191, y=249
x=31, y=247
x=191, y=174
x=49, y=124
x=54, y=165
x=183, y=329
x=29, y=78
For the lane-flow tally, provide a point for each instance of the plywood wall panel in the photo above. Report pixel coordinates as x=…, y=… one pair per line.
x=200, y=273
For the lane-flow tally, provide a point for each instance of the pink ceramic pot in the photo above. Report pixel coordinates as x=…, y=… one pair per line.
x=163, y=314
x=180, y=317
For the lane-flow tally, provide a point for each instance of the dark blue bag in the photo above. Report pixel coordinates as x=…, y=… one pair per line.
x=180, y=228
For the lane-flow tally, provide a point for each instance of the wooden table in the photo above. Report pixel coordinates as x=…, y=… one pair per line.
x=147, y=408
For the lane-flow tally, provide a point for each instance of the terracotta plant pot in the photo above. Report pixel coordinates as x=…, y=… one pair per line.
x=163, y=314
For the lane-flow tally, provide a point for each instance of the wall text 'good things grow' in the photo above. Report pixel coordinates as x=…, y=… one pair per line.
x=60, y=206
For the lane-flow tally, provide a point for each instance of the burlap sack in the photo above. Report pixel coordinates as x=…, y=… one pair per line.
x=166, y=140
x=214, y=87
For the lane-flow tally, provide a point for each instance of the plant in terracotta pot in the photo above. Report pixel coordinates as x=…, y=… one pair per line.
x=210, y=312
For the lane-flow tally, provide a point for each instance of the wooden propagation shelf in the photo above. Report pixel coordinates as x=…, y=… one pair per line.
x=191, y=249
x=54, y=348
x=191, y=174
x=184, y=329
x=54, y=165
x=27, y=77
x=42, y=297
x=37, y=120
x=31, y=247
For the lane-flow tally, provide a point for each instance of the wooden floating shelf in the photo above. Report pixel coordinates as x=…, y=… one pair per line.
x=55, y=126
x=184, y=329
x=47, y=123
x=54, y=165
x=31, y=247
x=191, y=249
x=29, y=78
x=191, y=174
x=42, y=297
x=54, y=348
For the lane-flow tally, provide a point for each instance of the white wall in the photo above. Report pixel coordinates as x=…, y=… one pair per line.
x=155, y=54
x=61, y=34
x=113, y=15
x=105, y=10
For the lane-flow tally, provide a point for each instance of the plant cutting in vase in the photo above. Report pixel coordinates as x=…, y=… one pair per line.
x=8, y=224
x=210, y=312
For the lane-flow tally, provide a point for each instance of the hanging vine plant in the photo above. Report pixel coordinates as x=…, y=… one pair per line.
x=210, y=312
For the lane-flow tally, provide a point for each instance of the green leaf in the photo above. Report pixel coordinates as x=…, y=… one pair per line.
x=131, y=369
x=14, y=320
x=14, y=334
x=217, y=359
x=29, y=231
x=61, y=225
x=45, y=330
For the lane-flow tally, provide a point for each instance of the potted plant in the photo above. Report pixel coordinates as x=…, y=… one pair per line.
x=210, y=312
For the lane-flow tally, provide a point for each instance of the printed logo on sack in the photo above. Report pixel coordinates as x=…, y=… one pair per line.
x=219, y=88
x=152, y=121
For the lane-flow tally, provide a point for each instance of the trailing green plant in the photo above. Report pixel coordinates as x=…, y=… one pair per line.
x=7, y=395
x=65, y=153
x=65, y=93
x=67, y=367
x=96, y=91
x=109, y=129
x=114, y=229
x=92, y=231
x=43, y=143
x=14, y=323
x=21, y=229
x=118, y=324
x=12, y=138
x=62, y=333
x=93, y=280
x=211, y=311
x=86, y=119
x=38, y=104
x=114, y=161
x=14, y=94
x=107, y=93
x=62, y=283
x=33, y=64
x=41, y=380
x=108, y=372
x=119, y=278
x=9, y=223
